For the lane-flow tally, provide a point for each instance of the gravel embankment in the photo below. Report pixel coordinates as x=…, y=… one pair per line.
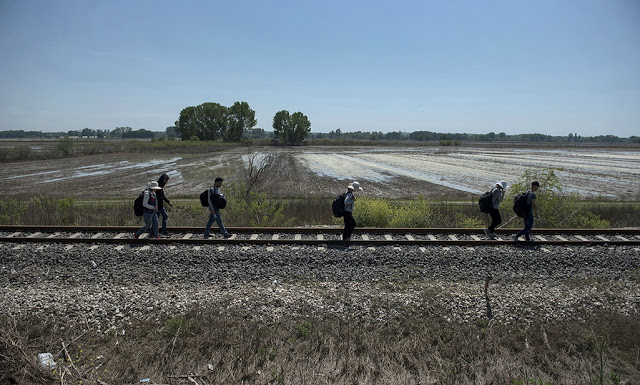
x=528, y=283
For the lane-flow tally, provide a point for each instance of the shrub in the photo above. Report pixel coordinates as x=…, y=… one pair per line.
x=250, y=208
x=417, y=213
x=373, y=212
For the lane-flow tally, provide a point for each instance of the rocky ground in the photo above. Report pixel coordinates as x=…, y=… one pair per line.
x=107, y=288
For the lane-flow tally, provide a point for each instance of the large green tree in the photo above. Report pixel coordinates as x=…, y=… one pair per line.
x=291, y=129
x=213, y=121
x=240, y=119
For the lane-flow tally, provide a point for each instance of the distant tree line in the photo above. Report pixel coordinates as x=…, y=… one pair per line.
x=212, y=121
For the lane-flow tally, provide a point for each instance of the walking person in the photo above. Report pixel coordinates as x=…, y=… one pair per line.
x=149, y=213
x=533, y=210
x=162, y=197
x=213, y=195
x=349, y=200
x=497, y=195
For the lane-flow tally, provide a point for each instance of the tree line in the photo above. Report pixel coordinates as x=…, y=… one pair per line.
x=213, y=121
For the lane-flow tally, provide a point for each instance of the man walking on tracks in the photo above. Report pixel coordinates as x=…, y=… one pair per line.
x=214, y=197
x=531, y=211
x=497, y=195
x=349, y=200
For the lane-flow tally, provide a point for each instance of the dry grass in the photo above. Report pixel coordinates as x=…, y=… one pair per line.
x=414, y=348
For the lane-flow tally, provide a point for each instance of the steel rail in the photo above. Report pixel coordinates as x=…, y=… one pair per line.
x=321, y=230
x=318, y=242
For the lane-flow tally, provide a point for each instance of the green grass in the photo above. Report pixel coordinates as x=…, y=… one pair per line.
x=265, y=211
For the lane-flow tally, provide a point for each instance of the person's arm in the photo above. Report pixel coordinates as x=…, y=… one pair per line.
x=145, y=200
x=211, y=206
x=535, y=207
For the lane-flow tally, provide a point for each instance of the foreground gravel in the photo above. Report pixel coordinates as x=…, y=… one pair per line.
x=108, y=288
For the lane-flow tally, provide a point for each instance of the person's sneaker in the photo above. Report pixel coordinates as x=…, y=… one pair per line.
x=227, y=235
x=165, y=234
x=487, y=232
x=207, y=236
x=493, y=236
x=515, y=238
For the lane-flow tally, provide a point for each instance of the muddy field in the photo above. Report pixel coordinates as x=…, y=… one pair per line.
x=397, y=172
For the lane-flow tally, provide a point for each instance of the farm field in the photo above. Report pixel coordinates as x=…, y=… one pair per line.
x=390, y=172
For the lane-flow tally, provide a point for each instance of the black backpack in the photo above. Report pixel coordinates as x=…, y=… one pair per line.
x=520, y=205
x=486, y=202
x=337, y=206
x=204, y=198
x=218, y=200
x=138, y=208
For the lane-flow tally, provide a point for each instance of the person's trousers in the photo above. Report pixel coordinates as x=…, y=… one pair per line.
x=218, y=219
x=150, y=221
x=349, y=225
x=165, y=218
x=528, y=225
x=495, y=219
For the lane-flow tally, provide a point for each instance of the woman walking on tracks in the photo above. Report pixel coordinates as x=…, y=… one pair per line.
x=150, y=204
x=497, y=195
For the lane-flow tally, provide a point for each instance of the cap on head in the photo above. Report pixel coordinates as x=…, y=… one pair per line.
x=218, y=179
x=355, y=186
x=535, y=183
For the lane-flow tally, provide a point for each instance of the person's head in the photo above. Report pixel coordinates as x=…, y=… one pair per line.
x=535, y=185
x=153, y=186
x=501, y=185
x=164, y=178
x=354, y=186
x=218, y=182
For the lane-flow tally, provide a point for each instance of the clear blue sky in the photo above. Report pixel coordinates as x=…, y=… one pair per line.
x=514, y=66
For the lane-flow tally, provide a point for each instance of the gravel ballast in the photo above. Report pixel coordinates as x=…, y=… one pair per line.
x=106, y=288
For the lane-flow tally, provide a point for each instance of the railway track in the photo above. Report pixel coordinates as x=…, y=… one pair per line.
x=314, y=236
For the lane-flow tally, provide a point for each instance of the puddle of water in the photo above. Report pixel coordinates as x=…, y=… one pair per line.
x=35, y=174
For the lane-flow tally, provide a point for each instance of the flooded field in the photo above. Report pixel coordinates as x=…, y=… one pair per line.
x=453, y=173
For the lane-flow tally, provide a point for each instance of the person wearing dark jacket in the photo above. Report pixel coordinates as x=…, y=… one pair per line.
x=164, y=178
x=349, y=200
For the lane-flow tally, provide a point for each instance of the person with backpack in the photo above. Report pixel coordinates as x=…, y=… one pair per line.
x=213, y=196
x=497, y=195
x=164, y=178
x=532, y=210
x=150, y=207
x=349, y=200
